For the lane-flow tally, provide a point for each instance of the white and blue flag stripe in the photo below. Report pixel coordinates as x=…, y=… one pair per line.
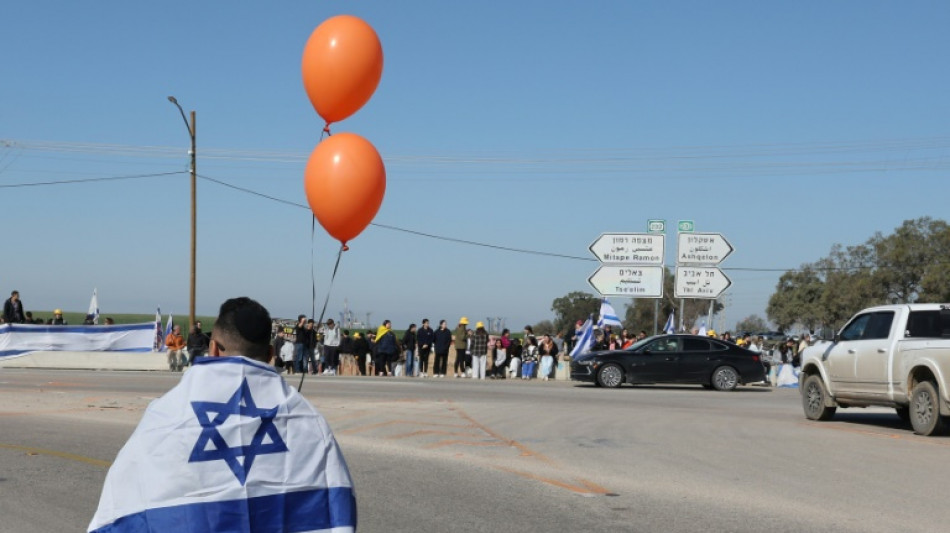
x=670, y=327
x=608, y=317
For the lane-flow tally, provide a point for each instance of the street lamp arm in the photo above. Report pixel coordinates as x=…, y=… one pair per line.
x=173, y=100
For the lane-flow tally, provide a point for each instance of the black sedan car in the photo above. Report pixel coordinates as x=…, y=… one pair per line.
x=705, y=361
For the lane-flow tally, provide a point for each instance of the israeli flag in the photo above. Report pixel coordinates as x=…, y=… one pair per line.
x=702, y=328
x=168, y=329
x=231, y=448
x=670, y=327
x=159, y=343
x=608, y=317
x=93, y=313
x=585, y=340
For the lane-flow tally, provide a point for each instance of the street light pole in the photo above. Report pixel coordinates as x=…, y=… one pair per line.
x=194, y=211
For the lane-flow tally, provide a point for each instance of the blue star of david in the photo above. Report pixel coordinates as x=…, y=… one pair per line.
x=241, y=403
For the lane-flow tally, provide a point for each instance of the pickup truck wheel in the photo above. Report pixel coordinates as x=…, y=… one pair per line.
x=725, y=378
x=814, y=397
x=925, y=410
x=610, y=376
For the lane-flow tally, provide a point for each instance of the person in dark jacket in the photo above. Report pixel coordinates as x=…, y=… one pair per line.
x=360, y=350
x=197, y=343
x=409, y=347
x=387, y=349
x=300, y=344
x=442, y=341
x=13, y=309
x=311, y=348
x=425, y=339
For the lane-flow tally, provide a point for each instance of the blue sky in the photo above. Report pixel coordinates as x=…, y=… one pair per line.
x=787, y=127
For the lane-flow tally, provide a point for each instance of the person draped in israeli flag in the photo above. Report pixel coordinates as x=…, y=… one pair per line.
x=231, y=448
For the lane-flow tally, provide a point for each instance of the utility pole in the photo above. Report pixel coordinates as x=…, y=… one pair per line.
x=194, y=210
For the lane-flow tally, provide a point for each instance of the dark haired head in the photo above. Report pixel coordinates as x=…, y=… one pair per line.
x=243, y=328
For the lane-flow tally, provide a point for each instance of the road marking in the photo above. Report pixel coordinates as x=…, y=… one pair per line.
x=432, y=432
x=62, y=455
x=447, y=442
x=465, y=432
x=584, y=487
x=525, y=451
x=357, y=429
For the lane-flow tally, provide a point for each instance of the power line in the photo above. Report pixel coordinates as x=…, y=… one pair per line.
x=404, y=230
x=534, y=252
x=740, y=159
x=87, y=180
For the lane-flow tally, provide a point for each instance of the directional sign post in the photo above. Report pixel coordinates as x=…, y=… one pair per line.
x=628, y=280
x=700, y=282
x=639, y=248
x=702, y=248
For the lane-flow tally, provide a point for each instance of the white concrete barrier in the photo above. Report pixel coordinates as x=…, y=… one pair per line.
x=89, y=360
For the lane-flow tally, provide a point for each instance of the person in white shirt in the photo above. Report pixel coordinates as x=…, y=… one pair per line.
x=287, y=356
x=331, y=347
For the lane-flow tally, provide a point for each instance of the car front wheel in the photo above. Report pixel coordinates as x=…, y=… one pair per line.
x=610, y=376
x=725, y=378
x=814, y=399
x=925, y=410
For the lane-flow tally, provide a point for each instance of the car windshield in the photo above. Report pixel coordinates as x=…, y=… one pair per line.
x=640, y=343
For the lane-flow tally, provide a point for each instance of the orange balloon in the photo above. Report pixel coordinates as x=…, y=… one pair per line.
x=342, y=64
x=345, y=181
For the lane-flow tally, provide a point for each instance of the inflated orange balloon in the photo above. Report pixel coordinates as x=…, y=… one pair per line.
x=345, y=181
x=342, y=65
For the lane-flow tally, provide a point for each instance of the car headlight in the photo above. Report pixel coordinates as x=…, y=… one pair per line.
x=587, y=362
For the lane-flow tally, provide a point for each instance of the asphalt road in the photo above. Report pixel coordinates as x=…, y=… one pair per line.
x=454, y=455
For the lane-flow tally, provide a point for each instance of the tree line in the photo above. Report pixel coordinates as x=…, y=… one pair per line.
x=911, y=265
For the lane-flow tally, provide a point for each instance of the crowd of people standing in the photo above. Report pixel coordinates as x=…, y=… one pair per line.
x=421, y=351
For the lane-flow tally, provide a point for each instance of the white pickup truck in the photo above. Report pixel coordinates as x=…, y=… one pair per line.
x=895, y=356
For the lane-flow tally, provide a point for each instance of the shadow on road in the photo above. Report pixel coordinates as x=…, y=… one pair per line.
x=744, y=389
x=879, y=420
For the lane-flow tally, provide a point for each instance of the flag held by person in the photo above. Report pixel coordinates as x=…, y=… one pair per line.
x=670, y=327
x=92, y=316
x=169, y=326
x=585, y=339
x=608, y=317
x=231, y=448
x=159, y=343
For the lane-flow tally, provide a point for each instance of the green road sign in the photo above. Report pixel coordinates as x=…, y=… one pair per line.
x=685, y=226
x=656, y=226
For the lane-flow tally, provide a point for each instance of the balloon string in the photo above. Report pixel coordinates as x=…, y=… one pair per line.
x=326, y=131
x=313, y=280
x=325, y=302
